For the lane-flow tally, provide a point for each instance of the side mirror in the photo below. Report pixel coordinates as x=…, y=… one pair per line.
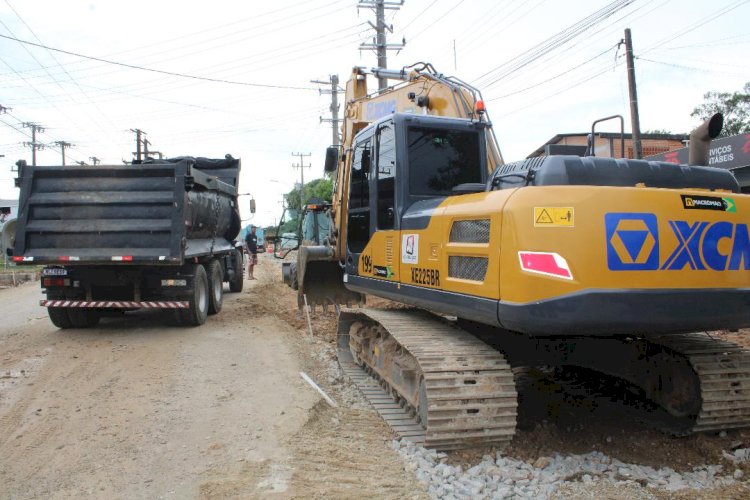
x=332, y=159
x=252, y=206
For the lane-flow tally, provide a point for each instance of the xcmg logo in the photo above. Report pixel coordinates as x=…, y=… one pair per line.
x=633, y=243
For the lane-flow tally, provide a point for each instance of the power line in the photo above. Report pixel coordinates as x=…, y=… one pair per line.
x=20, y=130
x=553, y=77
x=153, y=70
x=591, y=41
x=58, y=64
x=698, y=24
x=692, y=68
x=561, y=38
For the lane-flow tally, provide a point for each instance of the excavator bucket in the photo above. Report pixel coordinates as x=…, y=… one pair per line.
x=321, y=280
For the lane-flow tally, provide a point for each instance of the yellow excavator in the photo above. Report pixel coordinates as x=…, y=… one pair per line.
x=608, y=264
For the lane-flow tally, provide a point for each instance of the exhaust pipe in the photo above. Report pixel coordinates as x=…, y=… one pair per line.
x=700, y=139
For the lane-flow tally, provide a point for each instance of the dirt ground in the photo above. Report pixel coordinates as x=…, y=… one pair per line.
x=137, y=408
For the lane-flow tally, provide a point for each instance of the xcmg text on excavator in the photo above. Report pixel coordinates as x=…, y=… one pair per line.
x=606, y=264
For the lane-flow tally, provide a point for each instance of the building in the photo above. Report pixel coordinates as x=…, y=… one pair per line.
x=732, y=153
x=8, y=211
x=609, y=144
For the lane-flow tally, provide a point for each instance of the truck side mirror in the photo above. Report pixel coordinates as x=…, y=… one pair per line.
x=332, y=159
x=252, y=205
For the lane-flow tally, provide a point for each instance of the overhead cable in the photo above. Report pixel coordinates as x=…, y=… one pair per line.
x=154, y=70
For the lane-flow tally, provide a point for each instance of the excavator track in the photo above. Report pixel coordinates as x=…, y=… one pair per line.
x=723, y=371
x=432, y=382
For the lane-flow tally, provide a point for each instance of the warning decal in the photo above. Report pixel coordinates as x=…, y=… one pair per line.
x=554, y=216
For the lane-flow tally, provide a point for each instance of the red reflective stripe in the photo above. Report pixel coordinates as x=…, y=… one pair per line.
x=17, y=258
x=550, y=264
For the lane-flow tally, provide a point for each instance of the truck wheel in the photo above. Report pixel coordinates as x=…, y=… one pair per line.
x=235, y=285
x=83, y=318
x=294, y=276
x=215, y=286
x=59, y=317
x=195, y=314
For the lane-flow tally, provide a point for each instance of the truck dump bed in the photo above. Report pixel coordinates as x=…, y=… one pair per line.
x=155, y=213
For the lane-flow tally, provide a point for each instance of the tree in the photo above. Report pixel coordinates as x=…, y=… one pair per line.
x=318, y=188
x=734, y=106
x=657, y=131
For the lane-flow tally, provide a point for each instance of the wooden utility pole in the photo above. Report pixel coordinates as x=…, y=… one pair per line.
x=138, y=141
x=63, y=145
x=35, y=146
x=334, y=119
x=635, y=121
x=301, y=168
x=380, y=45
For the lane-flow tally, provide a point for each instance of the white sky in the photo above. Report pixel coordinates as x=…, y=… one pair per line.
x=685, y=48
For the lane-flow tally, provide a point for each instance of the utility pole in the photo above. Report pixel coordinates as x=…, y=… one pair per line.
x=138, y=141
x=334, y=119
x=380, y=44
x=63, y=145
x=146, y=152
x=301, y=168
x=96, y=161
x=4, y=110
x=35, y=146
x=635, y=121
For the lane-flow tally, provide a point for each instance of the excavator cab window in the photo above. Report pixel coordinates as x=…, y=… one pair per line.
x=441, y=159
x=358, y=227
x=386, y=176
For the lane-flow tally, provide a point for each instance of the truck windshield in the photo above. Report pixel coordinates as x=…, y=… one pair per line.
x=441, y=159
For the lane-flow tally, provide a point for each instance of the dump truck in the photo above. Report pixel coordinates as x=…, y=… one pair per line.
x=113, y=238
x=610, y=265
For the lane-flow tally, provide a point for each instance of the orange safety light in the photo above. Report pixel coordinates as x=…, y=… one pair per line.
x=479, y=107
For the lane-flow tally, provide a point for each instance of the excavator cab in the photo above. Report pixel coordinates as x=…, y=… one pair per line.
x=402, y=167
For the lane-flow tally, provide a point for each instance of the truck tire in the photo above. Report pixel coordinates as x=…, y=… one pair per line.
x=195, y=314
x=294, y=276
x=215, y=286
x=236, y=283
x=83, y=318
x=59, y=317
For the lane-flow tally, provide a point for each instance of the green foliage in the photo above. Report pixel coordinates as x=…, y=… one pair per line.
x=289, y=226
x=318, y=188
x=734, y=106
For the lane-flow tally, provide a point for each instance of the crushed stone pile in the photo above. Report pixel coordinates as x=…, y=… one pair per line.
x=504, y=477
